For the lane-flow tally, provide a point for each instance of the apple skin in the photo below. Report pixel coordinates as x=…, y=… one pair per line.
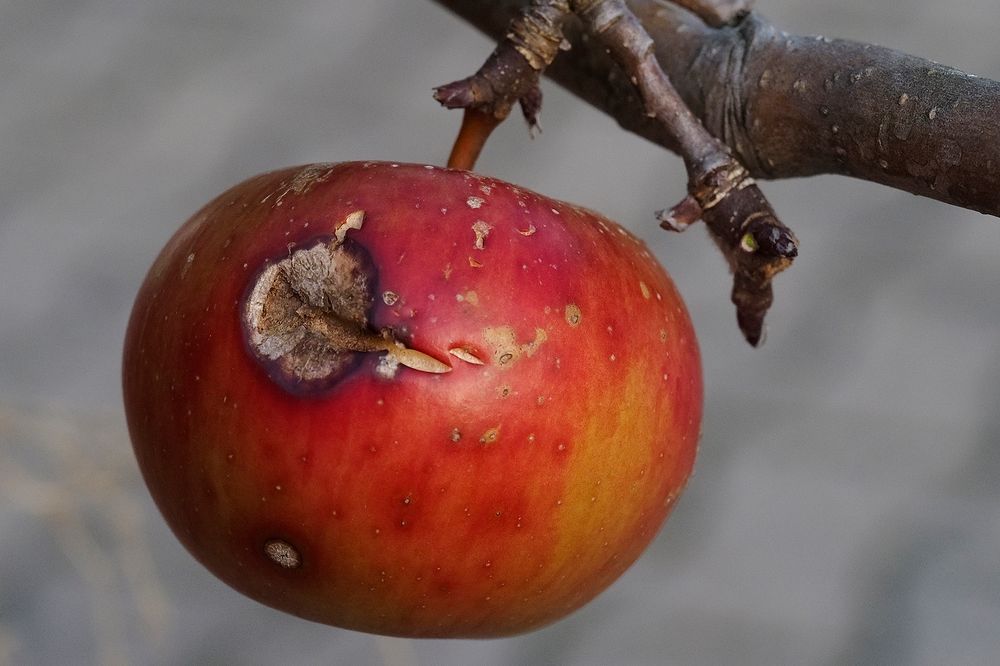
x=486, y=501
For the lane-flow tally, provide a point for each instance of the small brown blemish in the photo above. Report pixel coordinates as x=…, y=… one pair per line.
x=470, y=297
x=456, y=436
x=474, y=202
x=481, y=229
x=390, y=297
x=474, y=263
x=530, y=231
x=282, y=553
x=644, y=288
x=573, y=315
x=502, y=340
x=490, y=436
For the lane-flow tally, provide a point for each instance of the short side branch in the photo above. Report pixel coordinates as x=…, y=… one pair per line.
x=756, y=244
x=510, y=74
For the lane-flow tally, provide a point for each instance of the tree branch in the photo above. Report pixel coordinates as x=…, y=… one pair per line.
x=793, y=106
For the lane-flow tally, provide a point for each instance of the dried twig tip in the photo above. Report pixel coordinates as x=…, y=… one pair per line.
x=681, y=216
x=457, y=94
x=771, y=238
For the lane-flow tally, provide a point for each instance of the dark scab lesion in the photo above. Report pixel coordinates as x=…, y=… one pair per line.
x=282, y=554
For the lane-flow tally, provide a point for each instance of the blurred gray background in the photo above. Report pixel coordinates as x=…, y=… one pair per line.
x=846, y=505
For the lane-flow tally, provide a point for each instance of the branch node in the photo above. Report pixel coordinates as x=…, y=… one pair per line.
x=510, y=75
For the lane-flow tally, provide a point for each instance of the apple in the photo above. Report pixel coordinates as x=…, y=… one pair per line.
x=410, y=400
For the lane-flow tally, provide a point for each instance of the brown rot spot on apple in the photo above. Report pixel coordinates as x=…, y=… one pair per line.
x=282, y=553
x=306, y=317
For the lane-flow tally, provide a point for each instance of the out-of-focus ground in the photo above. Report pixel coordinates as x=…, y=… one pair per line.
x=846, y=507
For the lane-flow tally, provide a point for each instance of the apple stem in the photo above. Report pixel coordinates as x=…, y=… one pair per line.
x=476, y=129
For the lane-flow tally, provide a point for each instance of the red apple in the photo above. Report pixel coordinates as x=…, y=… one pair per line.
x=410, y=400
